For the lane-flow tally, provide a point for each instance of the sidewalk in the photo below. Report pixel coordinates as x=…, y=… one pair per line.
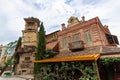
x=11, y=78
x=27, y=77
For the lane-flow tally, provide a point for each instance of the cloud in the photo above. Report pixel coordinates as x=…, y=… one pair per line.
x=53, y=13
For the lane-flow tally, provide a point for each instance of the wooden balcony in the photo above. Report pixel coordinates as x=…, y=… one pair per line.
x=77, y=45
x=25, y=65
x=27, y=61
x=28, y=49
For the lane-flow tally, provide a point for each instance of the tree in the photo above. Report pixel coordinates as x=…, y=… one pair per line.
x=41, y=43
x=41, y=49
x=18, y=43
x=48, y=54
x=10, y=62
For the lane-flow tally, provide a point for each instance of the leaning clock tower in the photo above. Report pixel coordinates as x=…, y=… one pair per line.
x=30, y=32
x=28, y=46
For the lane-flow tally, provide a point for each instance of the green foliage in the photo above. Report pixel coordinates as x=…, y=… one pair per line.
x=16, y=59
x=41, y=43
x=40, y=50
x=68, y=71
x=48, y=54
x=18, y=43
x=109, y=63
x=7, y=74
x=109, y=60
x=1, y=67
x=9, y=62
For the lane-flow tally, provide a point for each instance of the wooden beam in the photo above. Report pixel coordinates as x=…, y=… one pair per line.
x=96, y=65
x=70, y=58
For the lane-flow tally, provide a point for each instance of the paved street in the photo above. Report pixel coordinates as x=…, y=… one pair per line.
x=11, y=78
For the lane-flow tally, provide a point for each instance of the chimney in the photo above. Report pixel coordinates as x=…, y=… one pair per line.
x=106, y=29
x=83, y=18
x=63, y=26
x=106, y=26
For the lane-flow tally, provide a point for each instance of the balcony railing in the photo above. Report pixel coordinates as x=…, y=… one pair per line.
x=77, y=45
x=27, y=61
x=25, y=65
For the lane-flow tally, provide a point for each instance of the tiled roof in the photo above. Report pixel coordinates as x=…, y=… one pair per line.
x=91, y=50
x=91, y=53
x=51, y=45
x=107, y=50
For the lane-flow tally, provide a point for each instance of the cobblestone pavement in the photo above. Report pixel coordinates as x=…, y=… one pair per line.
x=11, y=78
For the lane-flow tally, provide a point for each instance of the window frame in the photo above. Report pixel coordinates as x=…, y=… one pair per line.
x=88, y=38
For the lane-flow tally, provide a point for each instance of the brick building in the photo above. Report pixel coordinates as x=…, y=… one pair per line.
x=79, y=38
x=82, y=40
x=82, y=34
x=89, y=33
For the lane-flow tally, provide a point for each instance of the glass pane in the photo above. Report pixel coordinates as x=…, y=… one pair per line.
x=76, y=37
x=64, y=42
x=88, y=38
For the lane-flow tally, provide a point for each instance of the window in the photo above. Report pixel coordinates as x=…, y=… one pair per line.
x=64, y=43
x=23, y=70
x=88, y=38
x=112, y=39
x=115, y=39
x=27, y=58
x=76, y=37
x=69, y=39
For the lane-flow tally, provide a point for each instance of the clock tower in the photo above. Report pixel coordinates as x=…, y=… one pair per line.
x=28, y=46
x=30, y=32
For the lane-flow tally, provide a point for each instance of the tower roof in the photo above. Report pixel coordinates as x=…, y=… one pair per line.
x=32, y=19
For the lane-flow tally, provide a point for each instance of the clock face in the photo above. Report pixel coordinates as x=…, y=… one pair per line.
x=26, y=39
x=30, y=37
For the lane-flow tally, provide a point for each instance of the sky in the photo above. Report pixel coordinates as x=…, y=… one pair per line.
x=53, y=13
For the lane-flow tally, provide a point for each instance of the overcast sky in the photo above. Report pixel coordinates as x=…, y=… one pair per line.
x=53, y=13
